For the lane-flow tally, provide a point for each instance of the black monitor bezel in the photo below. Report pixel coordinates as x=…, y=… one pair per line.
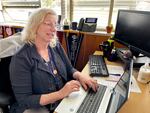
x=130, y=46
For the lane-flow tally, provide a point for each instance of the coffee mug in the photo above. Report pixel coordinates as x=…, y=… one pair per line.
x=106, y=48
x=74, y=25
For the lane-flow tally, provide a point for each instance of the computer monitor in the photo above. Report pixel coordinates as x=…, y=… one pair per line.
x=133, y=30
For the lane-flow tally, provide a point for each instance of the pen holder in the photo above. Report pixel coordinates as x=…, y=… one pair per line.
x=112, y=56
x=105, y=48
x=108, y=50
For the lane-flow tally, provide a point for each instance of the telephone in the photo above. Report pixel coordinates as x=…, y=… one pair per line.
x=87, y=24
x=80, y=25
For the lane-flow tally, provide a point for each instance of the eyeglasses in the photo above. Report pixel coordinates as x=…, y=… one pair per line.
x=52, y=25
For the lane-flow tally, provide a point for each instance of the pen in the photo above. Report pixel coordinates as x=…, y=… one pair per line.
x=115, y=74
x=111, y=80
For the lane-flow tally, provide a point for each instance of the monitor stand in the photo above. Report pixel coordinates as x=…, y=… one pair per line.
x=141, y=60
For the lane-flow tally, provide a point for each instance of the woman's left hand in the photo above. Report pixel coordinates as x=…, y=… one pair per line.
x=86, y=81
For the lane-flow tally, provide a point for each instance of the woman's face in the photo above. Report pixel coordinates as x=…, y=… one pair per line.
x=47, y=29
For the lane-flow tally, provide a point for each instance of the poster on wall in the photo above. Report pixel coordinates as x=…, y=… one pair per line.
x=73, y=41
x=8, y=31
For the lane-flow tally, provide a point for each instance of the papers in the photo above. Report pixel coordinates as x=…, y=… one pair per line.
x=115, y=69
x=115, y=73
x=134, y=86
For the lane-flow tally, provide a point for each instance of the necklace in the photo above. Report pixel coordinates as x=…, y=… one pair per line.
x=54, y=70
x=53, y=66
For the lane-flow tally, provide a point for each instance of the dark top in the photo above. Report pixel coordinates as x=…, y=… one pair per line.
x=31, y=77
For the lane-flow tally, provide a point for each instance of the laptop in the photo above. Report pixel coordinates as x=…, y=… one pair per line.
x=109, y=100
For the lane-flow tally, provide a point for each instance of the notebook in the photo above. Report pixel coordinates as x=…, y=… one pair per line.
x=111, y=101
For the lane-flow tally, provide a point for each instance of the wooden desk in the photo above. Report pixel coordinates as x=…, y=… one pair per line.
x=137, y=102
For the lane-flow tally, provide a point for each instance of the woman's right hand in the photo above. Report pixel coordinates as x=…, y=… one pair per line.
x=69, y=87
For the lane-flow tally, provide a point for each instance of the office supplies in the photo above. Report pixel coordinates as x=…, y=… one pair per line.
x=74, y=25
x=98, y=66
x=114, y=74
x=110, y=99
x=66, y=25
x=113, y=78
x=134, y=86
x=106, y=48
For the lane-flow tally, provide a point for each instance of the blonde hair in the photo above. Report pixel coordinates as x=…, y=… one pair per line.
x=36, y=18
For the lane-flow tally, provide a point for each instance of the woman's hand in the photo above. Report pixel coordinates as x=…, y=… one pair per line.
x=69, y=87
x=86, y=81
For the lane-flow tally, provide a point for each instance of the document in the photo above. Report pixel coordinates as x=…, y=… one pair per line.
x=134, y=86
x=115, y=73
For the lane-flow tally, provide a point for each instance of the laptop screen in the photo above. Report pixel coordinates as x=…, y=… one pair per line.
x=121, y=90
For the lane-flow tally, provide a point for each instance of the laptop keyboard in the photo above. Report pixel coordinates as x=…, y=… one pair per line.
x=92, y=100
x=98, y=66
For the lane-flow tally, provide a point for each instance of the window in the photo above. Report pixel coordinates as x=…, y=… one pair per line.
x=102, y=9
x=53, y=4
x=18, y=10
x=21, y=3
x=105, y=10
x=91, y=8
x=122, y=4
x=1, y=17
x=143, y=5
x=130, y=5
x=0, y=5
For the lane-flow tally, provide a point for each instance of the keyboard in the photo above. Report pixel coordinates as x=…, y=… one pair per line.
x=98, y=66
x=92, y=100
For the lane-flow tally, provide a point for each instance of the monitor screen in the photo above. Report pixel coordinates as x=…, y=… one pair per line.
x=91, y=20
x=133, y=30
x=122, y=89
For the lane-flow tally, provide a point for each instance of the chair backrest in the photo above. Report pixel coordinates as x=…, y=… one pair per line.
x=5, y=84
x=7, y=97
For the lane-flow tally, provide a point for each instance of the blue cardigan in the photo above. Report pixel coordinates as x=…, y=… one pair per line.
x=30, y=77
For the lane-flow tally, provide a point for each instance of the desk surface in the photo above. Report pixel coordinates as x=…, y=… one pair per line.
x=137, y=102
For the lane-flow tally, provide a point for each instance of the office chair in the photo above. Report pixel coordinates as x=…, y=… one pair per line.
x=6, y=93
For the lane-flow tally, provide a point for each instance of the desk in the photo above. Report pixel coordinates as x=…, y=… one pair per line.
x=90, y=43
x=137, y=102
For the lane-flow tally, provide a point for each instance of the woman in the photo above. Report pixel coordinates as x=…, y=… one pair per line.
x=40, y=73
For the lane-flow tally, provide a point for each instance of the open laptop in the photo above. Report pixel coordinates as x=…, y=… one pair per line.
x=108, y=100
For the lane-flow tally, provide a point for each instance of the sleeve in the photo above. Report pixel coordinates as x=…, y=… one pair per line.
x=69, y=67
x=20, y=76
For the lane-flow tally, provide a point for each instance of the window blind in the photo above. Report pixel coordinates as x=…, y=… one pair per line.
x=100, y=9
x=122, y=4
x=21, y=3
x=91, y=8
